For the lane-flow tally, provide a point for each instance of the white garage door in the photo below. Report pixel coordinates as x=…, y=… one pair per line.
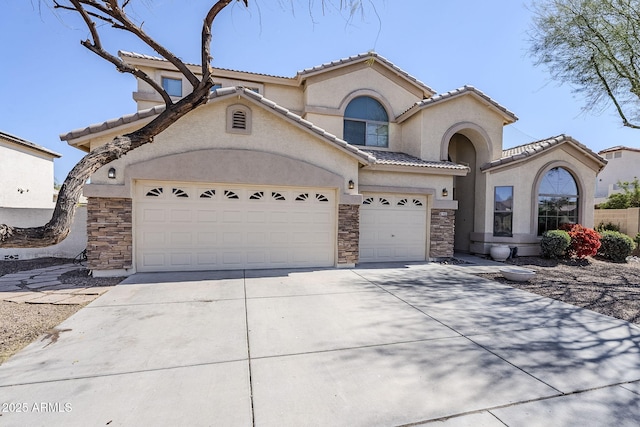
x=181, y=226
x=393, y=228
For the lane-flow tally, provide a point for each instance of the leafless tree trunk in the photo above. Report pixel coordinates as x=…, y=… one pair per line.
x=114, y=13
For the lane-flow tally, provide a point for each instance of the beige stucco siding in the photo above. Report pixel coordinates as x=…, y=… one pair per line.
x=289, y=97
x=406, y=180
x=205, y=129
x=26, y=170
x=525, y=179
x=331, y=90
x=438, y=119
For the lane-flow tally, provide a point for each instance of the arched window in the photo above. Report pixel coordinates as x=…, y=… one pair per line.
x=366, y=123
x=557, y=200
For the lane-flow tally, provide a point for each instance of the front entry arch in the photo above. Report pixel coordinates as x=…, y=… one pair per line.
x=462, y=151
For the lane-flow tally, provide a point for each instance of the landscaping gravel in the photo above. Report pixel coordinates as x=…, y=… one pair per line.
x=605, y=287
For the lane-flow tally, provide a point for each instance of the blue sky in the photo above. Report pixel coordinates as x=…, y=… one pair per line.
x=51, y=84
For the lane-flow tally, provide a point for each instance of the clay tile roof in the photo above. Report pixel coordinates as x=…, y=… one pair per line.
x=112, y=123
x=456, y=93
x=618, y=148
x=29, y=144
x=364, y=57
x=124, y=53
x=219, y=93
x=403, y=159
x=522, y=152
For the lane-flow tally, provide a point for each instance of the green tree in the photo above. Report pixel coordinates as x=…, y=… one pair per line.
x=592, y=45
x=629, y=198
x=100, y=17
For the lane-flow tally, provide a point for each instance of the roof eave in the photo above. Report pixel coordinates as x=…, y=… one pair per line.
x=301, y=76
x=429, y=170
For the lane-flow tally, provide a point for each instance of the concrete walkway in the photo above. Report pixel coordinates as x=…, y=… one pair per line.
x=373, y=346
x=43, y=286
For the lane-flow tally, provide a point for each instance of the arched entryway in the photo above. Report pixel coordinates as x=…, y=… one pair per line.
x=462, y=151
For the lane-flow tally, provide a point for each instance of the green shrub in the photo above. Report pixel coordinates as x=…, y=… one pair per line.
x=555, y=243
x=615, y=246
x=607, y=227
x=637, y=240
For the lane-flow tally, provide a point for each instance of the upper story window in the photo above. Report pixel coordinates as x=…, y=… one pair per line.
x=366, y=123
x=173, y=87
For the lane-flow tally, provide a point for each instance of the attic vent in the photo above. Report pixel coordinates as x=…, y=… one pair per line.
x=239, y=119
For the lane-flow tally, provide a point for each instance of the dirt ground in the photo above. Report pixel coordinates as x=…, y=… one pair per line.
x=605, y=287
x=602, y=286
x=20, y=324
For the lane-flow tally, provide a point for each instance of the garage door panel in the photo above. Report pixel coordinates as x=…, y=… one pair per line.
x=153, y=260
x=393, y=228
x=206, y=216
x=153, y=215
x=207, y=238
x=185, y=226
x=232, y=217
x=180, y=259
x=206, y=259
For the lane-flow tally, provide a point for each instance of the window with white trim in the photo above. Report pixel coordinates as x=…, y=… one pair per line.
x=366, y=123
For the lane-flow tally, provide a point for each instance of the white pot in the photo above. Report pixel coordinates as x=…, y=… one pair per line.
x=500, y=252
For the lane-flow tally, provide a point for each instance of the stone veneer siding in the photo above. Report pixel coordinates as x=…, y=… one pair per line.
x=348, y=234
x=442, y=233
x=109, y=234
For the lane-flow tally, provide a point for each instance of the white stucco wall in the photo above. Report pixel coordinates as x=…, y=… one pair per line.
x=623, y=168
x=73, y=245
x=26, y=170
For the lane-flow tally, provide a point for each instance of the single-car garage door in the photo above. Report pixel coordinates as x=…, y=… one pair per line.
x=393, y=228
x=186, y=226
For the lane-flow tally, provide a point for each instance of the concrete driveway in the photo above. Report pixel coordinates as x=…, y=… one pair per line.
x=364, y=347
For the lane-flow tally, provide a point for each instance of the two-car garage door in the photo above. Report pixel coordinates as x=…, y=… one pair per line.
x=186, y=226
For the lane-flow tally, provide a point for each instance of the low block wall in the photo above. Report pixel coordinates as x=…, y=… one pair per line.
x=73, y=245
x=627, y=219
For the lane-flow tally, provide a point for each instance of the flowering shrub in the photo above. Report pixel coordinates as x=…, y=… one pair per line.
x=584, y=241
x=615, y=246
x=555, y=243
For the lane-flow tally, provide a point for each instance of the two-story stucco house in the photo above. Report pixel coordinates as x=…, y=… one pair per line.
x=26, y=173
x=622, y=166
x=348, y=162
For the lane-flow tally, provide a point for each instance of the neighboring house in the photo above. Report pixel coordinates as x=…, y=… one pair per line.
x=350, y=161
x=26, y=173
x=27, y=197
x=622, y=166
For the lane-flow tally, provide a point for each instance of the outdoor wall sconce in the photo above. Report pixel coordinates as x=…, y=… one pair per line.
x=352, y=185
x=445, y=193
x=112, y=173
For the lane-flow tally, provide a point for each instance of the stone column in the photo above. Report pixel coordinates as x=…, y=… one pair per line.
x=109, y=234
x=442, y=233
x=348, y=235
